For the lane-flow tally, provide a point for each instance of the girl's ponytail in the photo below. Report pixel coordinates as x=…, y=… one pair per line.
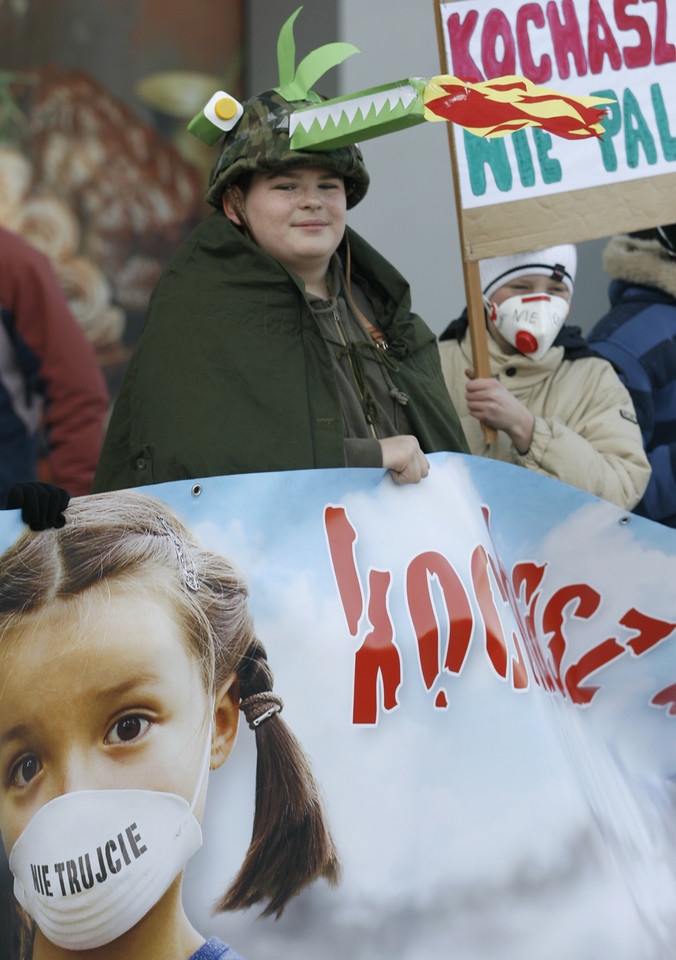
x=290, y=844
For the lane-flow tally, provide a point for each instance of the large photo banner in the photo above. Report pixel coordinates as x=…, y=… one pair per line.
x=482, y=670
x=623, y=51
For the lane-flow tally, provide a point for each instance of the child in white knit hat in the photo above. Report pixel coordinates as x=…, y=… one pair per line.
x=558, y=408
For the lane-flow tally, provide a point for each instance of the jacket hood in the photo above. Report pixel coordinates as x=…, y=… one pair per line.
x=643, y=262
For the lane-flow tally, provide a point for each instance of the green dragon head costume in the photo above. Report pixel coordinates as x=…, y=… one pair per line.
x=260, y=142
x=292, y=124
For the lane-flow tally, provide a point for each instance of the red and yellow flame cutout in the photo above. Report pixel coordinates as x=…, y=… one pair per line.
x=494, y=108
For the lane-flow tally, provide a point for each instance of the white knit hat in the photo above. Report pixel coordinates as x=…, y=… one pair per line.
x=557, y=262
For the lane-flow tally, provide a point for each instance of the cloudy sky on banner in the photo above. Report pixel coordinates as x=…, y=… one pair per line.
x=441, y=812
x=470, y=829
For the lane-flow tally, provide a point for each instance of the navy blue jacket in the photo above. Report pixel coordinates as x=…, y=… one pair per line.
x=638, y=334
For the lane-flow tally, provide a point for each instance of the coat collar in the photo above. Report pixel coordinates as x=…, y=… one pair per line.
x=526, y=372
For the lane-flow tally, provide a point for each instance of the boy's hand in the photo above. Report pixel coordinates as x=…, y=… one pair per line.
x=404, y=459
x=492, y=403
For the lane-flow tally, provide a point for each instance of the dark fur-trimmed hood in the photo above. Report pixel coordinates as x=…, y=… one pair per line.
x=644, y=262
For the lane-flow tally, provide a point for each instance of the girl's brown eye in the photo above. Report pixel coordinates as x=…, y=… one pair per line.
x=128, y=728
x=25, y=770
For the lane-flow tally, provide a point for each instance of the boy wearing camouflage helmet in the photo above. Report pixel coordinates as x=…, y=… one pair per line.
x=277, y=338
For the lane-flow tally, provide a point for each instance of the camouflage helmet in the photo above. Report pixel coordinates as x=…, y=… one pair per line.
x=260, y=142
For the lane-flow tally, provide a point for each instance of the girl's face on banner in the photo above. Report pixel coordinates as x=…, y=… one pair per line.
x=98, y=692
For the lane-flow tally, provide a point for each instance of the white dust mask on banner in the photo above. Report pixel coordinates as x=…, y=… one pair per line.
x=530, y=322
x=90, y=864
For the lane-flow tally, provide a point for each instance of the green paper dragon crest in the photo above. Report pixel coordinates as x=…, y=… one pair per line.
x=295, y=84
x=331, y=123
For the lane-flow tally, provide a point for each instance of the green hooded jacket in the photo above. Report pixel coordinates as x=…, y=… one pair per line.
x=232, y=375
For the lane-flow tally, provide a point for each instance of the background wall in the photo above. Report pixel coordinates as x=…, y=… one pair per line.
x=315, y=25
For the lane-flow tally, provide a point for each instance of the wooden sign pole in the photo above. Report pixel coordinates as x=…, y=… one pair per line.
x=475, y=306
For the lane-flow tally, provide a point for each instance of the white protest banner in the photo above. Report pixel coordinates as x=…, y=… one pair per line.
x=482, y=670
x=532, y=189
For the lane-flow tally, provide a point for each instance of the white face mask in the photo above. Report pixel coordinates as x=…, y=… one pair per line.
x=92, y=863
x=530, y=322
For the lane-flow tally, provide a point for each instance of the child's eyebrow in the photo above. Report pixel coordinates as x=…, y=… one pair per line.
x=283, y=175
x=326, y=174
x=139, y=680
x=18, y=732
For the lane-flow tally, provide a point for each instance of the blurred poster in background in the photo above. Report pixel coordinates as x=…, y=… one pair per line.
x=97, y=169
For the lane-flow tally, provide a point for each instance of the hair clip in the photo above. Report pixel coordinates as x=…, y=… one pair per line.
x=265, y=716
x=259, y=707
x=190, y=577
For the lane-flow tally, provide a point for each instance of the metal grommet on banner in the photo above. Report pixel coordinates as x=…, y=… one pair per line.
x=624, y=520
x=196, y=489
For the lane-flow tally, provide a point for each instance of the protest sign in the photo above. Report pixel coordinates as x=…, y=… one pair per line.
x=482, y=671
x=531, y=190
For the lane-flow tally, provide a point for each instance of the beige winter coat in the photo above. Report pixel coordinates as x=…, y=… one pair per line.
x=586, y=433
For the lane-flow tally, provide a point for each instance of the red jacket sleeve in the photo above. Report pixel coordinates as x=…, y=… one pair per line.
x=75, y=392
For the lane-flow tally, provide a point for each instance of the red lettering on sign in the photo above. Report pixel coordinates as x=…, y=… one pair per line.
x=566, y=38
x=537, y=73
x=377, y=657
x=519, y=669
x=499, y=44
x=640, y=55
x=601, y=40
x=664, y=52
x=588, y=601
x=526, y=578
x=499, y=570
x=509, y=591
x=666, y=698
x=425, y=625
x=460, y=33
x=598, y=657
x=649, y=630
x=378, y=662
x=342, y=536
x=496, y=26
x=501, y=579
x=495, y=639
